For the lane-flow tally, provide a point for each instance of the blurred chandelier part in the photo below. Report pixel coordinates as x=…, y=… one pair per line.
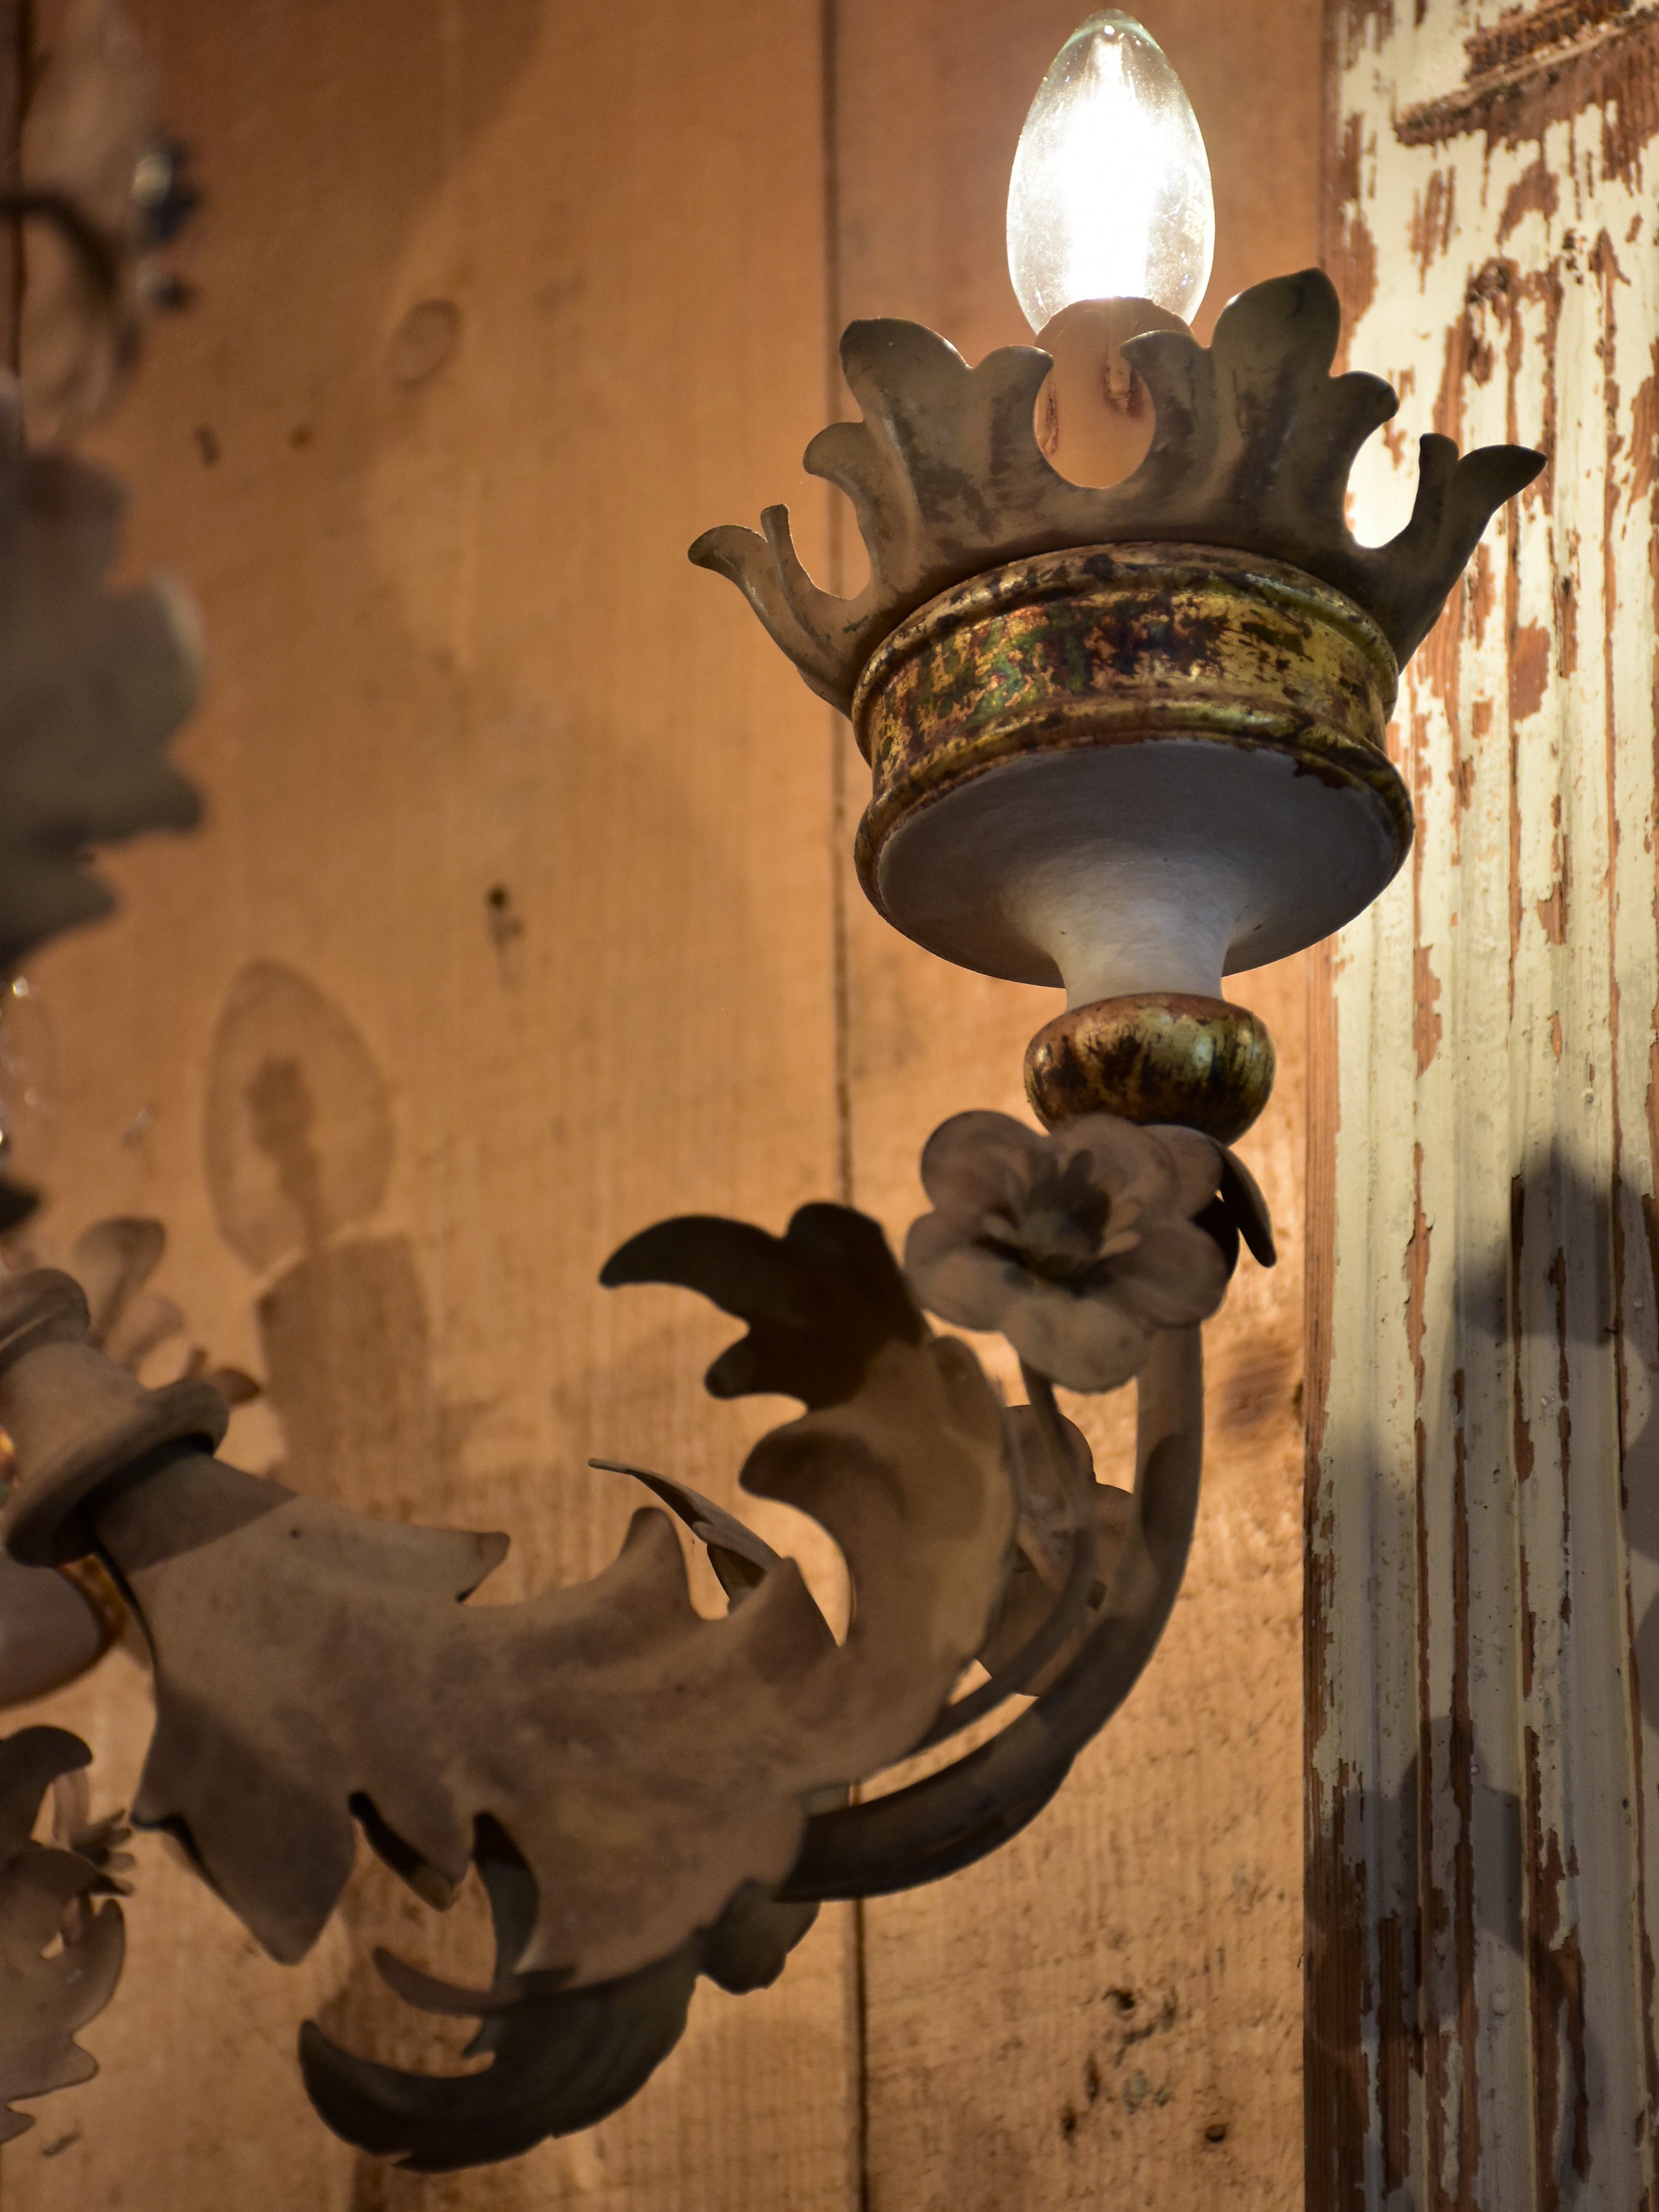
x=28, y=1078
x=1110, y=195
x=52, y=1628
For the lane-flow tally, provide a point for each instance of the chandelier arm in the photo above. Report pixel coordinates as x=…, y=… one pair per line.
x=1069, y=1609
x=946, y=1821
x=1059, y=1625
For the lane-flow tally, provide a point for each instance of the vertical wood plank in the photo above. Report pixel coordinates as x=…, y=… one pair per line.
x=498, y=308
x=1481, y=1547
x=1113, y=2000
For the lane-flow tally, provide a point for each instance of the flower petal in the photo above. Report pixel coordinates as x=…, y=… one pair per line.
x=1128, y=1162
x=1197, y=1162
x=1175, y=1276
x=956, y=1278
x=972, y=1162
x=1082, y=1343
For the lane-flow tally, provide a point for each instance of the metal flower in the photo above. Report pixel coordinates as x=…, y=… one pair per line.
x=1075, y=1246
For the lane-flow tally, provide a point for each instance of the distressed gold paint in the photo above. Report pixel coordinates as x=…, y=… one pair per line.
x=1153, y=1056
x=1028, y=659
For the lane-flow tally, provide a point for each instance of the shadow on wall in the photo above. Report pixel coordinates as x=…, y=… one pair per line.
x=1390, y=1827
x=1408, y=1979
x=299, y=1145
x=298, y=1142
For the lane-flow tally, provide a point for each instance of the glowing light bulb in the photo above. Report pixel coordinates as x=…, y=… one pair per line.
x=1110, y=193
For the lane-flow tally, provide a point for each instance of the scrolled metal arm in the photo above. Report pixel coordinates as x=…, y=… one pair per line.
x=938, y=1826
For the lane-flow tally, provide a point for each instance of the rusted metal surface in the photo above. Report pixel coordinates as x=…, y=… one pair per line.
x=1128, y=767
x=1153, y=1056
x=1483, y=1523
x=1118, y=644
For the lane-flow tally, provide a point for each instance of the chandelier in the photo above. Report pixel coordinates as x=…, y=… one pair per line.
x=1122, y=674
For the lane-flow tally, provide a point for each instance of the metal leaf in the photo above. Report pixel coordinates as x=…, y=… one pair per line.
x=1247, y=1209
x=51, y=1631
x=1073, y=1532
x=112, y=1261
x=820, y=1301
x=740, y=1559
x=950, y=1818
x=644, y=1762
x=1051, y=1584
x=561, y=2060
x=559, y=2065
x=1251, y=448
x=90, y=149
x=96, y=1838
x=44, y=2000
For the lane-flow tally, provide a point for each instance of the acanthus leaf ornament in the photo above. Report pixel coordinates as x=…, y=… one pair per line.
x=564, y=2056
x=627, y=1848
x=644, y=1762
x=560, y=2059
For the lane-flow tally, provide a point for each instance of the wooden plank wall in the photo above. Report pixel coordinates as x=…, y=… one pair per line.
x=1482, y=1579
x=528, y=851
x=456, y=646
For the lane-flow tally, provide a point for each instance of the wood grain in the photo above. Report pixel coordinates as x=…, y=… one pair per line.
x=1482, y=1587
x=498, y=307
x=1113, y=2000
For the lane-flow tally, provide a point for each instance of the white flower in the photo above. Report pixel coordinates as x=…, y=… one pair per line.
x=1075, y=1246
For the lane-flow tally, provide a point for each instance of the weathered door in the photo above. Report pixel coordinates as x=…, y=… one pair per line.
x=1483, y=1592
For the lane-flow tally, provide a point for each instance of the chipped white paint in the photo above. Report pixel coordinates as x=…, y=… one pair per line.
x=1484, y=1508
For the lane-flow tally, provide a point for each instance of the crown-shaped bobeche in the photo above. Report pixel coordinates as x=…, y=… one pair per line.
x=1251, y=449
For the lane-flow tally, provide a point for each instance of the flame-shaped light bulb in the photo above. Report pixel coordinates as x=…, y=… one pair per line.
x=1110, y=194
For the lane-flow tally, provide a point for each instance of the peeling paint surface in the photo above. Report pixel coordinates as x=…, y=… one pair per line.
x=1483, y=1507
